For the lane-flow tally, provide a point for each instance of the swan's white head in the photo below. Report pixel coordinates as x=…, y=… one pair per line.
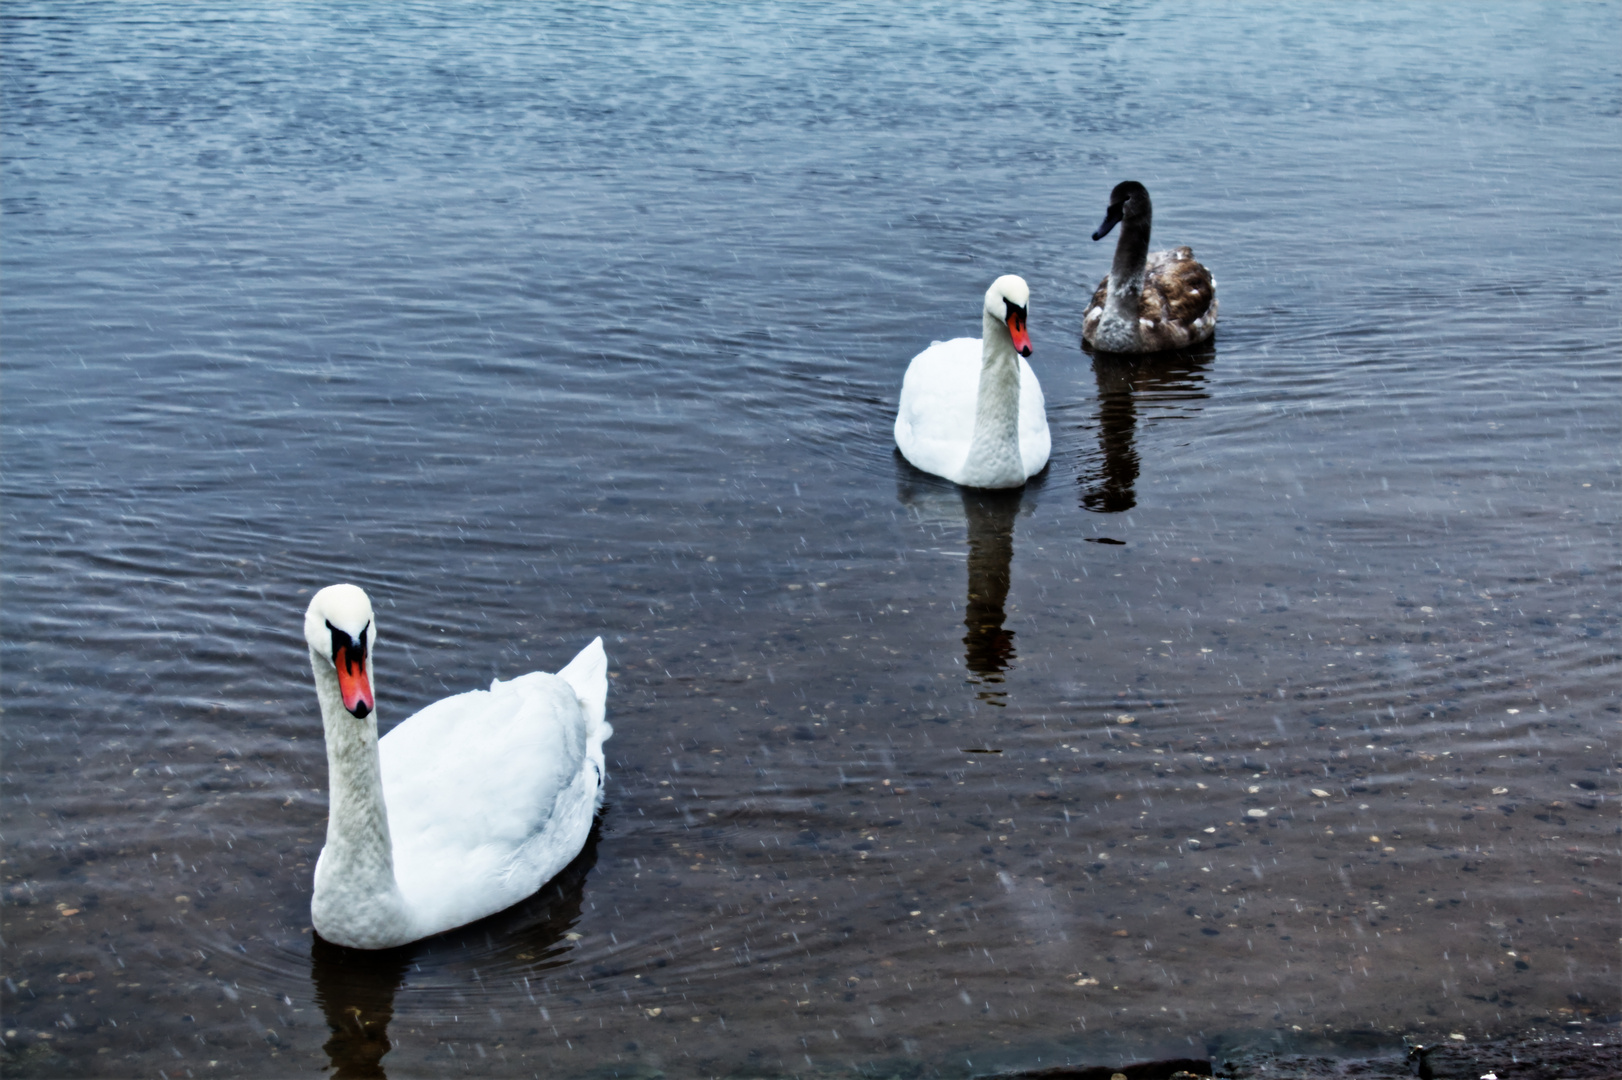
x=1007, y=301
x=339, y=628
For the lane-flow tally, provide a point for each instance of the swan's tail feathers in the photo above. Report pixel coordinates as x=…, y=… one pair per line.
x=588, y=674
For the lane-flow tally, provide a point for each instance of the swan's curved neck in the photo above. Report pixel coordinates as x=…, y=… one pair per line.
x=1132, y=251
x=1118, y=328
x=994, y=459
x=355, y=881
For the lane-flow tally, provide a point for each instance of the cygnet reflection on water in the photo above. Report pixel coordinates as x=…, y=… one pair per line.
x=988, y=646
x=1168, y=384
x=356, y=988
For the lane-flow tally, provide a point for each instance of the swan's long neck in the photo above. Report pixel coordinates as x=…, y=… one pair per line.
x=1126, y=273
x=994, y=459
x=1118, y=329
x=357, y=900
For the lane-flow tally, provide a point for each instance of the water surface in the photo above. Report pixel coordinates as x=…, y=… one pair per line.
x=1283, y=702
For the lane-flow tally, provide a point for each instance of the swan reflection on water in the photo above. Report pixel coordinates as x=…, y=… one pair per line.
x=1162, y=385
x=356, y=988
x=988, y=646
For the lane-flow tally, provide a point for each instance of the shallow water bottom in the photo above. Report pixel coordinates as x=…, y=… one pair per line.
x=919, y=868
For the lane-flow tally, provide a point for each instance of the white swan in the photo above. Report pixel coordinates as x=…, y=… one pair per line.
x=462, y=810
x=972, y=410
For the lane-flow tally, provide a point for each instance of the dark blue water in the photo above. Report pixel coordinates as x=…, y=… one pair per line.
x=541, y=323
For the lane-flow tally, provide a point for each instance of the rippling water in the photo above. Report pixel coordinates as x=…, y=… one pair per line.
x=1283, y=704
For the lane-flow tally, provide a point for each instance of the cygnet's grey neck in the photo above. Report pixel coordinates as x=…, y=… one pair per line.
x=994, y=459
x=1118, y=329
x=1131, y=253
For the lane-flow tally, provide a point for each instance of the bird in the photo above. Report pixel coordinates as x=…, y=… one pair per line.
x=971, y=410
x=1148, y=303
x=460, y=811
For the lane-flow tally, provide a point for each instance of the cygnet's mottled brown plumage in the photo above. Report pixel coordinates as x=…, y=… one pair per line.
x=1149, y=302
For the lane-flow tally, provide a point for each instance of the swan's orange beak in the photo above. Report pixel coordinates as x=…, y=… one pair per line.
x=1016, y=330
x=353, y=684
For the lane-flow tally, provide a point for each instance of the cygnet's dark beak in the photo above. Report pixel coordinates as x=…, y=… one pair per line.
x=1112, y=216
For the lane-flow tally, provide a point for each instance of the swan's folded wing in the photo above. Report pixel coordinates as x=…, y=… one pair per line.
x=1176, y=289
x=1100, y=294
x=470, y=780
x=1035, y=442
x=935, y=418
x=1095, y=311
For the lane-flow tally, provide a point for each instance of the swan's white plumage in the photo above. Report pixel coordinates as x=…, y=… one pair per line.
x=486, y=795
x=490, y=794
x=971, y=409
x=935, y=420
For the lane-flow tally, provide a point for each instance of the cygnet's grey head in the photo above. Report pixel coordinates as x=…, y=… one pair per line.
x=1130, y=202
x=339, y=628
x=1008, y=301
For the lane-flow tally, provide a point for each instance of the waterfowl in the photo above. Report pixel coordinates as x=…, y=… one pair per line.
x=1148, y=303
x=971, y=409
x=462, y=810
